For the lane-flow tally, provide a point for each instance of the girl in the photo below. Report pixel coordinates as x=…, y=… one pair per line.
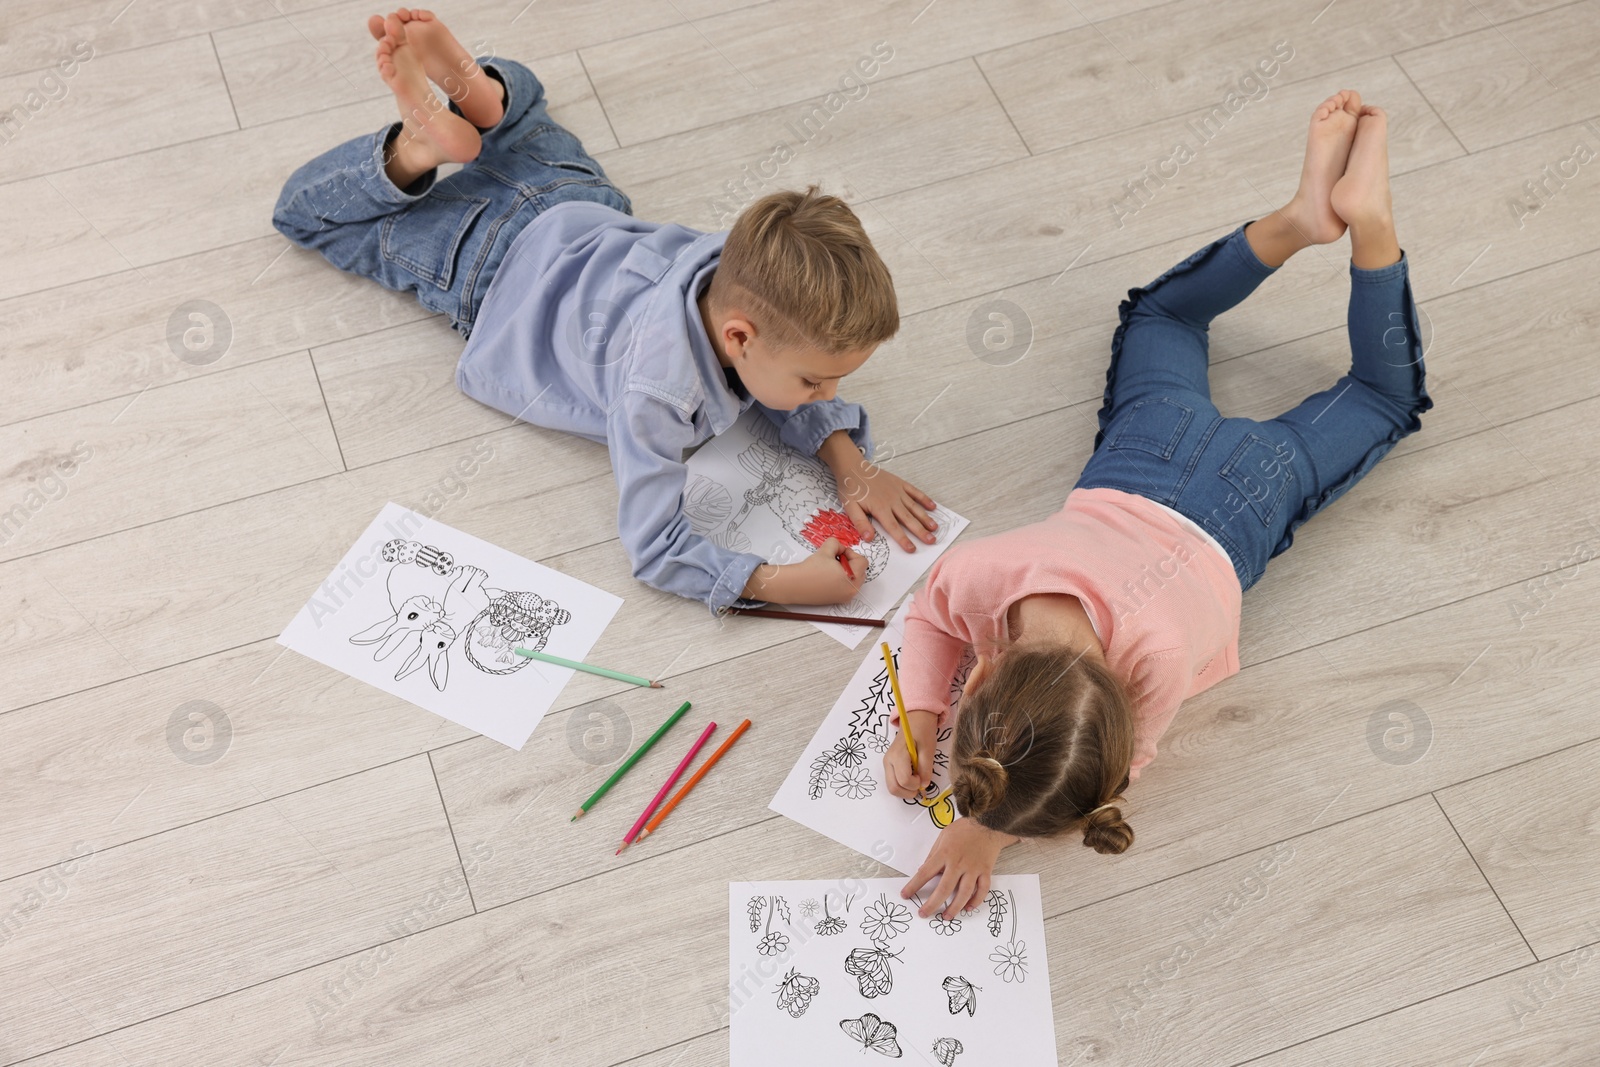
x=1093, y=625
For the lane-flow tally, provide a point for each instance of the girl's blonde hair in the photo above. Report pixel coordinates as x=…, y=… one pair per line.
x=1043, y=746
x=803, y=269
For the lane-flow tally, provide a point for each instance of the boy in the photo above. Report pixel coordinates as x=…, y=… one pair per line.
x=650, y=338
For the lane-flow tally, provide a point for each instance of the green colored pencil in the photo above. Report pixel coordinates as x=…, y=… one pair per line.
x=604, y=672
x=631, y=760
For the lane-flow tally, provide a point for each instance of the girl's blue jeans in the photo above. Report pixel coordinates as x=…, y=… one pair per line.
x=443, y=239
x=1250, y=484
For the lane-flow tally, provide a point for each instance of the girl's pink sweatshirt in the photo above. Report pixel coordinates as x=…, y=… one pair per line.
x=1162, y=595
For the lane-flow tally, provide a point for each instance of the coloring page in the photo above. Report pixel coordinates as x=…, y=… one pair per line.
x=749, y=492
x=432, y=615
x=845, y=972
x=837, y=789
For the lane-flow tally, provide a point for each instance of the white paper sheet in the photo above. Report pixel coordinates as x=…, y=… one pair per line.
x=431, y=614
x=751, y=493
x=837, y=787
x=829, y=972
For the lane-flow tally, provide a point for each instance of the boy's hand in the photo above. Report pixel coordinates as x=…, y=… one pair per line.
x=820, y=578
x=868, y=492
x=903, y=781
x=962, y=858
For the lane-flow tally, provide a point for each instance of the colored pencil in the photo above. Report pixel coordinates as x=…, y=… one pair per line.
x=588, y=668
x=688, y=757
x=631, y=760
x=806, y=616
x=650, y=827
x=845, y=563
x=900, y=706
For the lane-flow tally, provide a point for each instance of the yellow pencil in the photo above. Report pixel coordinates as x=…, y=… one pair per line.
x=900, y=706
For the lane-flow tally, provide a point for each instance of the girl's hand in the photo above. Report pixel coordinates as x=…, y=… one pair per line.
x=905, y=781
x=962, y=858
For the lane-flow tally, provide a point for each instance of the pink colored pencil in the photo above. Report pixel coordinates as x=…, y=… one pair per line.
x=672, y=779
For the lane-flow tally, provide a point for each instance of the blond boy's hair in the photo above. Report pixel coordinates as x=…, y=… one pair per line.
x=805, y=272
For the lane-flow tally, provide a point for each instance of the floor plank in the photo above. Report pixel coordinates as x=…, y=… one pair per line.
x=124, y=745
x=1541, y=1013
x=99, y=112
x=796, y=54
x=1384, y=908
x=1135, y=68
x=1531, y=827
x=1503, y=83
x=126, y=462
x=327, y=871
x=40, y=32
x=47, y=242
x=947, y=123
x=113, y=336
x=323, y=57
x=1084, y=204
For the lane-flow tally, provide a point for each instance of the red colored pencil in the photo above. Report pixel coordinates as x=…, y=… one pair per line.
x=688, y=758
x=690, y=784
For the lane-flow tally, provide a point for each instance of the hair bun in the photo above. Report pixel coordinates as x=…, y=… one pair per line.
x=981, y=784
x=1105, y=831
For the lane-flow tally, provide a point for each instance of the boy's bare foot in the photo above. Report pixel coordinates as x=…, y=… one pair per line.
x=449, y=66
x=431, y=134
x=1333, y=128
x=1361, y=198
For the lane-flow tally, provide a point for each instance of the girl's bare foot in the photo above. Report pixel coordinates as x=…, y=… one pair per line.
x=1307, y=219
x=1361, y=198
x=431, y=134
x=449, y=66
x=1333, y=128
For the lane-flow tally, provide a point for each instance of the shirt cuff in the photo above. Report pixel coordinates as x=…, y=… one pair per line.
x=728, y=590
x=811, y=424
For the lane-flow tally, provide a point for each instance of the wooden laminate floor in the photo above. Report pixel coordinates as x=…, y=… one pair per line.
x=337, y=877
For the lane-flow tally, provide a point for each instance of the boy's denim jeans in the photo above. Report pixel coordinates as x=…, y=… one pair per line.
x=444, y=239
x=1250, y=484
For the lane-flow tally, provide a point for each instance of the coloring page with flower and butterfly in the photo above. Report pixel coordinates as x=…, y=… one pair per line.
x=819, y=970
x=750, y=492
x=837, y=786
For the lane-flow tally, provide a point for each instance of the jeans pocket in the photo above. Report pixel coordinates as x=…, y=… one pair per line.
x=1154, y=426
x=1260, y=471
x=555, y=147
x=426, y=237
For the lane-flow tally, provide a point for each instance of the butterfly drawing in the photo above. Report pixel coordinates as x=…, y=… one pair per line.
x=871, y=969
x=874, y=1033
x=963, y=995
x=795, y=993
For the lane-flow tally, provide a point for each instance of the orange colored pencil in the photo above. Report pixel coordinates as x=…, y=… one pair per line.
x=701, y=773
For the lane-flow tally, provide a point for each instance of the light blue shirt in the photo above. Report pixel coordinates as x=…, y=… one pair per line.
x=591, y=326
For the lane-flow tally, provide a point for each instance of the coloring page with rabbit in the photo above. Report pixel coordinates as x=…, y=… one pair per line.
x=837, y=786
x=432, y=615
x=846, y=972
x=749, y=492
